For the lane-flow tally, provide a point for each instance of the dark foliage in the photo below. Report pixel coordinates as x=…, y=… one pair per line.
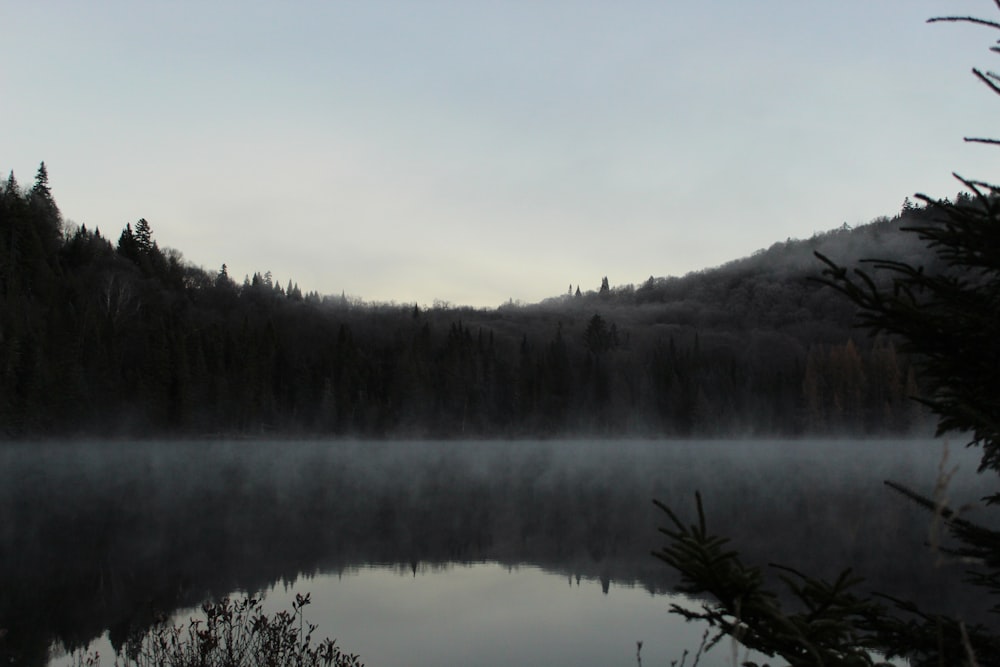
x=831, y=623
x=234, y=634
x=947, y=317
x=126, y=339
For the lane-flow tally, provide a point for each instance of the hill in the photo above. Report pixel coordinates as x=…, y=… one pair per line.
x=125, y=339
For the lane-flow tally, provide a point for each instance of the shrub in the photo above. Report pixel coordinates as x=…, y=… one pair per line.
x=233, y=634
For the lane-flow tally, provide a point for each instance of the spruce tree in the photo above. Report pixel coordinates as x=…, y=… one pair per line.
x=949, y=321
x=143, y=236
x=47, y=220
x=128, y=247
x=41, y=187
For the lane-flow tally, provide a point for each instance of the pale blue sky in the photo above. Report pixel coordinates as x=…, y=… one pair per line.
x=475, y=152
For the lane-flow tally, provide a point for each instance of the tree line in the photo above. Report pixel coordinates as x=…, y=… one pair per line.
x=103, y=337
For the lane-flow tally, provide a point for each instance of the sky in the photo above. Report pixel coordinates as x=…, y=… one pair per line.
x=472, y=152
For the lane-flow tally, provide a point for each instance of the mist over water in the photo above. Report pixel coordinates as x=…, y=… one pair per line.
x=103, y=537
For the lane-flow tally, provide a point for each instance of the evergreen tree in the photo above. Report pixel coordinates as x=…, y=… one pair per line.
x=950, y=321
x=10, y=205
x=222, y=279
x=11, y=188
x=48, y=219
x=127, y=245
x=143, y=236
x=41, y=187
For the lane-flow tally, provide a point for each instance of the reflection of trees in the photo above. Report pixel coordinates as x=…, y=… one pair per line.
x=107, y=536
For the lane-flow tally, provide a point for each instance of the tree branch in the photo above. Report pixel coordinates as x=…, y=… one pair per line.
x=965, y=19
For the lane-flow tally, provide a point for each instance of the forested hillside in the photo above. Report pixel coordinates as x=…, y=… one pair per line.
x=114, y=336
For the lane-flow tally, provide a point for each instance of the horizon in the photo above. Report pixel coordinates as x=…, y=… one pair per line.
x=481, y=155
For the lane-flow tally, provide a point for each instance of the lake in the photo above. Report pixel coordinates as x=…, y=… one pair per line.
x=420, y=553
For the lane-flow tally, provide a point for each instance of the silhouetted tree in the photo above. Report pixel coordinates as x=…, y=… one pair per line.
x=143, y=236
x=47, y=213
x=948, y=320
x=222, y=278
x=128, y=246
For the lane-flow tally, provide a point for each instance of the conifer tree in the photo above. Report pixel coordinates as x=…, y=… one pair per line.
x=11, y=188
x=40, y=199
x=143, y=236
x=222, y=279
x=127, y=245
x=950, y=322
x=46, y=225
x=41, y=187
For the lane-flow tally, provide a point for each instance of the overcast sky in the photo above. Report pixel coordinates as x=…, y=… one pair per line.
x=475, y=152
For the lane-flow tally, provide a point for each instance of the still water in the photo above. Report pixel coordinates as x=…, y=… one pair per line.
x=420, y=553
x=483, y=614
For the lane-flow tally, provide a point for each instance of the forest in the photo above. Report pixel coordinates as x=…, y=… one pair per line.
x=112, y=336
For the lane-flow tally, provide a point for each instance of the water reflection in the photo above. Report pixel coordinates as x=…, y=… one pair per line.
x=484, y=614
x=108, y=536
